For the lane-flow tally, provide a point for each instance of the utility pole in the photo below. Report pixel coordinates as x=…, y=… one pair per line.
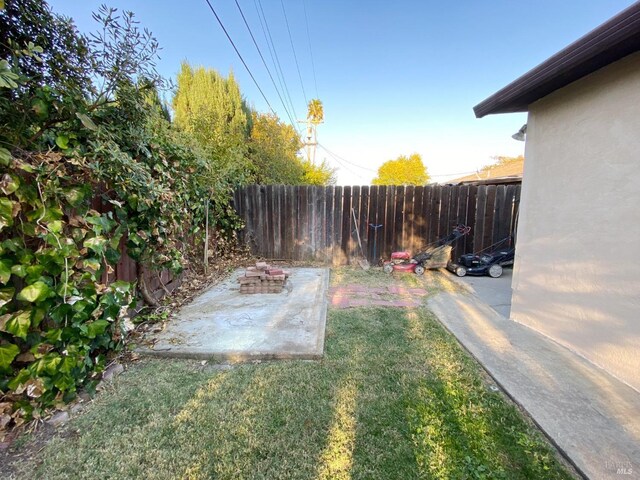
x=315, y=116
x=311, y=138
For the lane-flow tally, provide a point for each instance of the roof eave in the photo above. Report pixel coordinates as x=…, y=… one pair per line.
x=611, y=41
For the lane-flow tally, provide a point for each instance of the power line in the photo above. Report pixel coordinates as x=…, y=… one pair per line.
x=265, y=65
x=240, y=56
x=294, y=52
x=344, y=159
x=338, y=159
x=274, y=53
x=313, y=66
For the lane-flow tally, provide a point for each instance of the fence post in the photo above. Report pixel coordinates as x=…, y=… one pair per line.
x=206, y=235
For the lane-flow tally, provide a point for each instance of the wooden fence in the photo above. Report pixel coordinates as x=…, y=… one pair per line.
x=317, y=223
x=127, y=269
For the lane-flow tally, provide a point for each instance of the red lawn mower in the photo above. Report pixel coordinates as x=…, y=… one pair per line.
x=437, y=255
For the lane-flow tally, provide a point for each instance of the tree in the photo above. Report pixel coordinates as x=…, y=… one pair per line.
x=319, y=175
x=210, y=107
x=402, y=171
x=315, y=111
x=273, y=148
x=64, y=59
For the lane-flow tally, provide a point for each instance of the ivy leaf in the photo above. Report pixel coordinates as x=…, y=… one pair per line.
x=74, y=196
x=55, y=226
x=19, y=325
x=6, y=294
x=19, y=270
x=35, y=388
x=6, y=212
x=62, y=141
x=7, y=354
x=34, y=272
x=96, y=244
x=35, y=292
x=64, y=382
x=22, y=376
x=5, y=157
x=37, y=315
x=5, y=271
x=86, y=121
x=96, y=328
x=49, y=364
x=9, y=184
x=68, y=363
x=103, y=223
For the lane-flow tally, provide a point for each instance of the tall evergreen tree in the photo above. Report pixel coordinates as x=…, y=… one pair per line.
x=210, y=107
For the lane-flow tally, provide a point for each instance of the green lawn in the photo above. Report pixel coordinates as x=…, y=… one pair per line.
x=394, y=398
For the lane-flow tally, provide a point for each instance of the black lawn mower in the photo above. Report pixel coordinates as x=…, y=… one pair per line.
x=489, y=261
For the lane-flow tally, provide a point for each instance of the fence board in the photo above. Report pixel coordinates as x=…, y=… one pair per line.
x=489, y=213
x=408, y=239
x=418, y=217
x=434, y=213
x=346, y=223
x=389, y=222
x=470, y=215
x=362, y=217
x=399, y=220
x=381, y=220
x=355, y=205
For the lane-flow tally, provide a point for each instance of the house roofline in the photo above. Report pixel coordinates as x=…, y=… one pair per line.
x=611, y=41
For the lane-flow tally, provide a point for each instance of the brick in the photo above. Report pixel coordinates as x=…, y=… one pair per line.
x=275, y=271
x=275, y=277
x=262, y=265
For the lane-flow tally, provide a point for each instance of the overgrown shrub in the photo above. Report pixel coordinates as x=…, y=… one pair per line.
x=62, y=146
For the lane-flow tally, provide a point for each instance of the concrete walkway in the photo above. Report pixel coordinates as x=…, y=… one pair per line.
x=496, y=292
x=590, y=416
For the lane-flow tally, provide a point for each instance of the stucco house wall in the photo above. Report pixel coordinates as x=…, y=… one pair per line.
x=577, y=270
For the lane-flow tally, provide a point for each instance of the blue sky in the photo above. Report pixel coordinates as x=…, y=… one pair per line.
x=395, y=77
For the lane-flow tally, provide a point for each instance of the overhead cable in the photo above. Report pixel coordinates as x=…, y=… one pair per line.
x=274, y=53
x=344, y=159
x=240, y=56
x=295, y=57
x=313, y=65
x=265, y=66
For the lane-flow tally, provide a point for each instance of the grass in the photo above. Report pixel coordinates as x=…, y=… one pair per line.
x=432, y=281
x=394, y=398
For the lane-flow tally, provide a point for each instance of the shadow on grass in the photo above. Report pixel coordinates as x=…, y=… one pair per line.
x=394, y=398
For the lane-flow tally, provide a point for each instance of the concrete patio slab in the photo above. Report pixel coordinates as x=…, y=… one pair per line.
x=591, y=416
x=222, y=324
